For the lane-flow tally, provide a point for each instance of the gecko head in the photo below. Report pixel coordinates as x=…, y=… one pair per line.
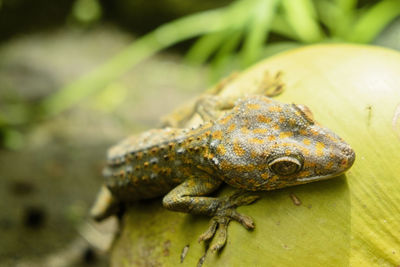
x=267, y=145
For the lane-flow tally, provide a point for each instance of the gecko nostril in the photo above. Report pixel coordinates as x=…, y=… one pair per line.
x=347, y=151
x=349, y=155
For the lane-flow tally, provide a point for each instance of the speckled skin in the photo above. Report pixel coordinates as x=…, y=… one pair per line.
x=260, y=145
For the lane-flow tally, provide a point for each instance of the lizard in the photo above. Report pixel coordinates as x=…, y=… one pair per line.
x=260, y=145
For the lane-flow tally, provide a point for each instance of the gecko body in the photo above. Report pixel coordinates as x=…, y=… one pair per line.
x=261, y=144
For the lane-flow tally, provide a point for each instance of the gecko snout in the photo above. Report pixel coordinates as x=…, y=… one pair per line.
x=348, y=157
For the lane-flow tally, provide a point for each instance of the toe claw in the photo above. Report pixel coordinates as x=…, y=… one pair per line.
x=244, y=220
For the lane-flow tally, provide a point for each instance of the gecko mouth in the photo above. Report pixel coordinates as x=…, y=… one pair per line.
x=321, y=177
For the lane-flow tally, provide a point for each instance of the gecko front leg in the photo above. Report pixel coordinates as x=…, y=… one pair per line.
x=190, y=197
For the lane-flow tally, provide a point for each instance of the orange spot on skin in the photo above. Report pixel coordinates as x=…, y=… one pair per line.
x=303, y=174
x=310, y=164
x=244, y=130
x=226, y=119
x=305, y=151
x=314, y=132
x=276, y=127
x=329, y=165
x=224, y=165
x=333, y=139
x=253, y=106
x=246, y=168
x=256, y=141
x=237, y=149
x=261, y=167
x=253, y=154
x=221, y=149
x=264, y=119
x=303, y=132
x=282, y=119
x=285, y=134
x=265, y=175
x=260, y=131
x=217, y=135
x=288, y=152
x=275, y=108
x=319, y=147
x=271, y=137
x=139, y=155
x=306, y=141
x=274, y=178
x=231, y=127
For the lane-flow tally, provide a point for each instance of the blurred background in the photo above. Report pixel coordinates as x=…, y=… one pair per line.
x=76, y=76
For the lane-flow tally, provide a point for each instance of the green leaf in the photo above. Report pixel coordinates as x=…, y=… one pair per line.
x=330, y=15
x=346, y=5
x=206, y=46
x=374, y=20
x=222, y=62
x=281, y=26
x=301, y=16
x=262, y=15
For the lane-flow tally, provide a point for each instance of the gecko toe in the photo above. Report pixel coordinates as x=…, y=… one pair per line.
x=220, y=237
x=210, y=232
x=244, y=220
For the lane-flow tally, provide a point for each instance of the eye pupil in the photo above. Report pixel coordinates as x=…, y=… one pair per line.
x=285, y=165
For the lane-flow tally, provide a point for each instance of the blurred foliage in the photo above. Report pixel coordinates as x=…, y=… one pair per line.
x=229, y=37
x=240, y=30
x=86, y=11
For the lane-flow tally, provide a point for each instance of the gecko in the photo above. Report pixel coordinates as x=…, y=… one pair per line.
x=260, y=145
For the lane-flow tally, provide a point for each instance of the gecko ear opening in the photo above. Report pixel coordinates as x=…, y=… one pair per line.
x=305, y=112
x=285, y=165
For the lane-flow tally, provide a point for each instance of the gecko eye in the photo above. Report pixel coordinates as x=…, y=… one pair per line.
x=285, y=165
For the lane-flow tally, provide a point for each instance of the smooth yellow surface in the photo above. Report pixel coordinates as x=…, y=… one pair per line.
x=353, y=220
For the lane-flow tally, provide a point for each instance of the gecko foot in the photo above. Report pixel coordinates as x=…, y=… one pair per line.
x=224, y=214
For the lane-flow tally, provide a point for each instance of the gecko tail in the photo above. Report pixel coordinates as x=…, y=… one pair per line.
x=104, y=206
